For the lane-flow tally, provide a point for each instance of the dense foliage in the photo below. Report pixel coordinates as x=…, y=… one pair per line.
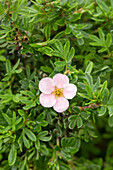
x=40, y=38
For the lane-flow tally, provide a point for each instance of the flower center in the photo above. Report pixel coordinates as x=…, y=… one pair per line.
x=58, y=92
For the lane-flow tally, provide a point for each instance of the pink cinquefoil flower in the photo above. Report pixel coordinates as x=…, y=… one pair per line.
x=56, y=91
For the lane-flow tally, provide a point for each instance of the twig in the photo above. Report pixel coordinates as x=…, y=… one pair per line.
x=93, y=105
x=66, y=72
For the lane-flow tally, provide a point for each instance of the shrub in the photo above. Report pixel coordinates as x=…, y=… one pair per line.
x=40, y=39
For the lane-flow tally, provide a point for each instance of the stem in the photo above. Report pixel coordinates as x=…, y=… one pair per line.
x=93, y=105
x=67, y=71
x=57, y=140
x=80, y=10
x=66, y=65
x=108, y=51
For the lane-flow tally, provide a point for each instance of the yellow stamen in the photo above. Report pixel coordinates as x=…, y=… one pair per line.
x=58, y=92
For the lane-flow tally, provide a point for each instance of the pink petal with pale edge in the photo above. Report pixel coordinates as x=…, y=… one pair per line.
x=70, y=91
x=61, y=105
x=46, y=85
x=47, y=100
x=61, y=80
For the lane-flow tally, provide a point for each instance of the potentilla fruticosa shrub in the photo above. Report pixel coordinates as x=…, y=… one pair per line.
x=56, y=84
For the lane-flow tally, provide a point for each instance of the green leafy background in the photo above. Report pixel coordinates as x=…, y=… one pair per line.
x=38, y=39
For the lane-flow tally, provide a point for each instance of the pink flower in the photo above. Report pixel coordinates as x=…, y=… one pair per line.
x=56, y=91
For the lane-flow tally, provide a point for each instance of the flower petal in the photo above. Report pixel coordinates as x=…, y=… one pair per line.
x=61, y=105
x=70, y=91
x=47, y=100
x=61, y=80
x=46, y=85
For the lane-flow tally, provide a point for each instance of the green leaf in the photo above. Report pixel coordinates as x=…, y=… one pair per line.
x=109, y=40
x=102, y=111
x=72, y=124
x=91, y=133
x=18, y=71
x=74, y=17
x=4, y=45
x=14, y=16
x=60, y=63
x=31, y=155
x=98, y=43
x=71, y=55
x=40, y=117
x=47, y=31
x=8, y=66
x=110, y=110
x=2, y=37
x=110, y=121
x=72, y=120
x=111, y=4
x=68, y=30
x=72, y=117
x=12, y=155
x=1, y=8
x=6, y=117
x=80, y=41
x=101, y=35
x=97, y=84
x=77, y=33
x=2, y=58
x=26, y=142
x=94, y=38
x=105, y=96
x=42, y=134
x=15, y=5
x=59, y=68
x=28, y=72
x=16, y=65
x=83, y=95
x=15, y=98
x=20, y=142
x=89, y=67
x=57, y=53
x=30, y=134
x=85, y=115
x=103, y=87
x=31, y=95
x=22, y=113
x=102, y=50
x=63, y=142
x=18, y=121
x=89, y=91
x=66, y=155
x=14, y=117
x=29, y=105
x=37, y=144
x=89, y=80
x=60, y=22
x=46, y=50
x=110, y=101
x=77, y=144
x=59, y=35
x=46, y=69
x=103, y=6
x=45, y=138
x=66, y=48
x=76, y=109
x=59, y=46
x=44, y=150
x=79, y=122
